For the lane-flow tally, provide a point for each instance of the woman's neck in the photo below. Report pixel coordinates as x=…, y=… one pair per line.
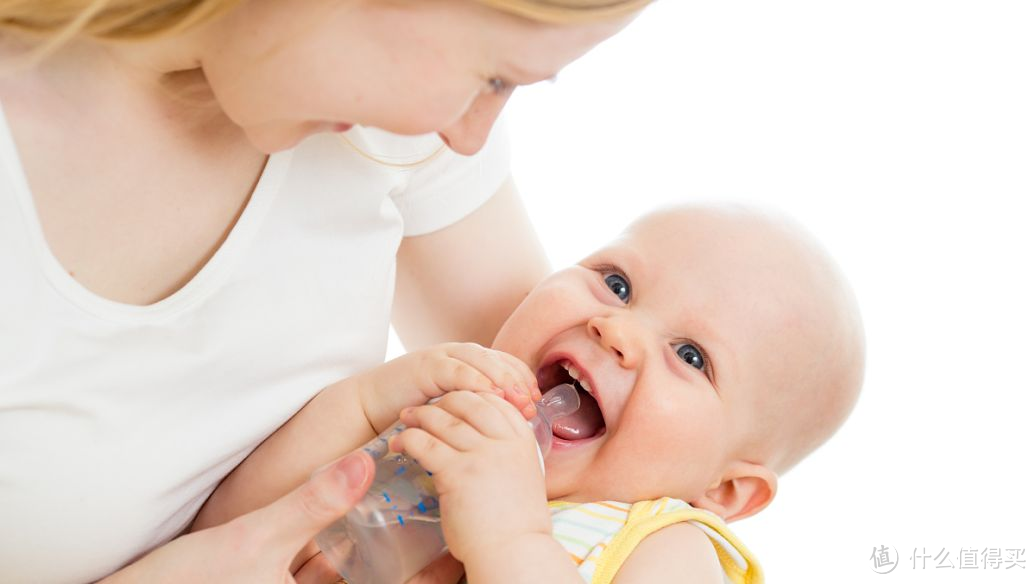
x=163, y=74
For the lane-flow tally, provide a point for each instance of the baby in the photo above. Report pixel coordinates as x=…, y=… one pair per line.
x=714, y=348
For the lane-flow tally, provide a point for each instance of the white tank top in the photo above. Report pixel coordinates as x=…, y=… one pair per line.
x=118, y=421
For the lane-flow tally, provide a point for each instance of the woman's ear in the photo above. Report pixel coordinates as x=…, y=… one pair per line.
x=745, y=490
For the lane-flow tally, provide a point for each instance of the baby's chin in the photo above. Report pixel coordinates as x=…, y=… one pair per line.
x=590, y=494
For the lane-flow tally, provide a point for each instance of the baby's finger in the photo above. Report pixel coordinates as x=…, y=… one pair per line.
x=514, y=420
x=525, y=373
x=431, y=453
x=516, y=380
x=500, y=367
x=452, y=374
x=473, y=410
x=442, y=425
x=520, y=400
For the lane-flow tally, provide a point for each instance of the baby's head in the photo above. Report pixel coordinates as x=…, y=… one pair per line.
x=720, y=346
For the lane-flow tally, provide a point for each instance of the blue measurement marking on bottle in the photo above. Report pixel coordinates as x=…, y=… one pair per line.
x=400, y=470
x=400, y=519
x=421, y=507
x=387, y=498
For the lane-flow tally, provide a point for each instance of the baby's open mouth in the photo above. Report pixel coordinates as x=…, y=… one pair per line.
x=587, y=422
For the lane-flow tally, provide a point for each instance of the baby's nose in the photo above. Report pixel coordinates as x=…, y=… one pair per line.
x=616, y=337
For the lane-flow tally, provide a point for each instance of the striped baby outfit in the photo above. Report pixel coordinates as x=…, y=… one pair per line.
x=600, y=536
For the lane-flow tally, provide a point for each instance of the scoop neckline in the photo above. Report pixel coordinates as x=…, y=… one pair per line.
x=200, y=286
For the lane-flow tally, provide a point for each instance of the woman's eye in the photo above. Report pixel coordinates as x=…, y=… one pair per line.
x=619, y=286
x=691, y=355
x=499, y=87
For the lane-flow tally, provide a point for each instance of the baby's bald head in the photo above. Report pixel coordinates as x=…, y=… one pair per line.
x=716, y=346
x=800, y=350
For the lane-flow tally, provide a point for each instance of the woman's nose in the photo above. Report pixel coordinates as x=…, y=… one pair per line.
x=617, y=337
x=468, y=134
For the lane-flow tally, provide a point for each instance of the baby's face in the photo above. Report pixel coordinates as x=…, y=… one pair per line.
x=674, y=331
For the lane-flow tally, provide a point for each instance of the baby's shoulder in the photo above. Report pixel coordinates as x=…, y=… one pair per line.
x=677, y=553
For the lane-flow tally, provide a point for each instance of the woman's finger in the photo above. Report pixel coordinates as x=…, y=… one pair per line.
x=330, y=493
x=308, y=552
x=445, y=570
x=317, y=570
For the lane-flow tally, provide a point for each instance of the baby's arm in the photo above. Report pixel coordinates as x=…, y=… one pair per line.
x=347, y=414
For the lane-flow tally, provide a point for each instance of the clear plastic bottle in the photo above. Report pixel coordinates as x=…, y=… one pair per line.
x=394, y=531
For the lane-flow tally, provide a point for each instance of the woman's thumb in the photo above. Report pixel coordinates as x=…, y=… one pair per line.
x=330, y=493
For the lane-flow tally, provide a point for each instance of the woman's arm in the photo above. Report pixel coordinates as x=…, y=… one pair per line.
x=258, y=547
x=460, y=283
x=330, y=425
x=347, y=414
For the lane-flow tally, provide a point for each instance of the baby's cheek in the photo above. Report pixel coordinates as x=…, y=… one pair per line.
x=546, y=307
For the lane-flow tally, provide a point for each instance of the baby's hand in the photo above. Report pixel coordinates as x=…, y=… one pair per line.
x=419, y=376
x=482, y=456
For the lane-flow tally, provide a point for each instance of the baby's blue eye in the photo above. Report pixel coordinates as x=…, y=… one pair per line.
x=691, y=355
x=619, y=286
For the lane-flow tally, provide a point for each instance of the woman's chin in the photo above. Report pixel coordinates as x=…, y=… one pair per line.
x=275, y=138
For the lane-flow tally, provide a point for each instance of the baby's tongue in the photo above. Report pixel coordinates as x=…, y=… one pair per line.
x=585, y=423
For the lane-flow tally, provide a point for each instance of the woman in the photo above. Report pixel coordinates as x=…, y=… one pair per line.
x=195, y=239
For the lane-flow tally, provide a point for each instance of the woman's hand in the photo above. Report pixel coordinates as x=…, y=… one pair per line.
x=482, y=456
x=415, y=378
x=258, y=547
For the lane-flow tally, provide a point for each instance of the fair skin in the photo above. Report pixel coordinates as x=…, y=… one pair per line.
x=676, y=352
x=351, y=413
x=680, y=332
x=139, y=232
x=260, y=546
x=141, y=205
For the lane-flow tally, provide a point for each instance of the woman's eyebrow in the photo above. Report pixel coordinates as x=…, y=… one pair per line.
x=523, y=76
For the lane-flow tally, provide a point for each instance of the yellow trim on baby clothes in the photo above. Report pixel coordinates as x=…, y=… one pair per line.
x=644, y=520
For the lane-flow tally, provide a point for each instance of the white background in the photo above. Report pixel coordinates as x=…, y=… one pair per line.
x=903, y=134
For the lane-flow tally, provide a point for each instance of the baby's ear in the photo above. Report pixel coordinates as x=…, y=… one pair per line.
x=745, y=490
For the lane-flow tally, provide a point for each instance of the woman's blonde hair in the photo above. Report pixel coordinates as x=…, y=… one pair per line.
x=59, y=20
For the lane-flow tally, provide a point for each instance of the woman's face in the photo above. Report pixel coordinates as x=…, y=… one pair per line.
x=285, y=70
